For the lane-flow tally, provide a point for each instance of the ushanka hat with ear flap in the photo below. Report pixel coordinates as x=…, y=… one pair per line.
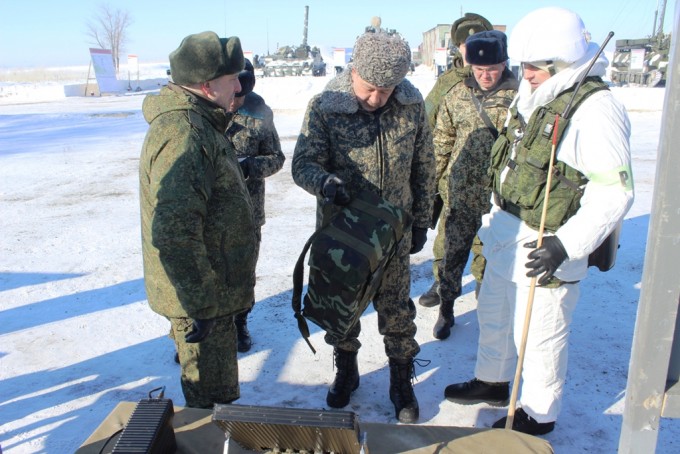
x=486, y=48
x=205, y=56
x=247, y=79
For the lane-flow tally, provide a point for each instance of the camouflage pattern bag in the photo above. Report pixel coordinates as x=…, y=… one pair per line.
x=348, y=256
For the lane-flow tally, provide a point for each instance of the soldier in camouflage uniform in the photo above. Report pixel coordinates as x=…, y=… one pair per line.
x=367, y=130
x=254, y=136
x=199, y=237
x=468, y=120
x=463, y=27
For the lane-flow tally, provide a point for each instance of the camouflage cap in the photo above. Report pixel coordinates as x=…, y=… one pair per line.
x=468, y=25
x=205, y=56
x=381, y=59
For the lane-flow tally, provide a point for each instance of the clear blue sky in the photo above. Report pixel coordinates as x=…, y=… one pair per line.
x=45, y=33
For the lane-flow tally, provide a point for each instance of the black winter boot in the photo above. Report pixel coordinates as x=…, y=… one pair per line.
x=478, y=391
x=346, y=378
x=242, y=333
x=431, y=297
x=524, y=423
x=442, y=327
x=401, y=391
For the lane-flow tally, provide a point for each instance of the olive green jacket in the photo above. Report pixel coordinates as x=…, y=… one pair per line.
x=198, y=232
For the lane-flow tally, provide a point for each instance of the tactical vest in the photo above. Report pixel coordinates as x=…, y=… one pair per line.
x=522, y=192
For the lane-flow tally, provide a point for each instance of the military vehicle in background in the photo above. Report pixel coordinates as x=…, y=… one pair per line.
x=642, y=61
x=295, y=60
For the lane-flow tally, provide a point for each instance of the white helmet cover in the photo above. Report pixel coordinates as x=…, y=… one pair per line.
x=551, y=33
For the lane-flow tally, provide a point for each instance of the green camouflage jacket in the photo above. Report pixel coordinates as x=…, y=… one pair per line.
x=253, y=134
x=388, y=151
x=198, y=232
x=445, y=82
x=462, y=140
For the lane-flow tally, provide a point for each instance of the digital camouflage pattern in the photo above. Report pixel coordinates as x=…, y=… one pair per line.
x=198, y=232
x=525, y=183
x=199, y=237
x=209, y=368
x=253, y=134
x=463, y=144
x=444, y=84
x=347, y=260
x=388, y=152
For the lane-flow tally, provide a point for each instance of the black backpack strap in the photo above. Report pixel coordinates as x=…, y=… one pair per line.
x=298, y=276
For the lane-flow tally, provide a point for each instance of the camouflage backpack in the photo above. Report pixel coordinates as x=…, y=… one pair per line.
x=347, y=259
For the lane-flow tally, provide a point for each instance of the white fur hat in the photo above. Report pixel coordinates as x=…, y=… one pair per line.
x=549, y=34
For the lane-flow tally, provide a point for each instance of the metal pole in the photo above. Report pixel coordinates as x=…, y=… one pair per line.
x=648, y=396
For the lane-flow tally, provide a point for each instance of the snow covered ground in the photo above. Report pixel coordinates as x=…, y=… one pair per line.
x=77, y=335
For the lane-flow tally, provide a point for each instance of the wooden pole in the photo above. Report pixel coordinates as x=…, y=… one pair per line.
x=532, y=288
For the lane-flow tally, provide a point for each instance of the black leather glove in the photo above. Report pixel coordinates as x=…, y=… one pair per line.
x=334, y=191
x=200, y=330
x=546, y=259
x=418, y=239
x=245, y=166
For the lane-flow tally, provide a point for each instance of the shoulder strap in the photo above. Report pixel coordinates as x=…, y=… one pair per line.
x=483, y=114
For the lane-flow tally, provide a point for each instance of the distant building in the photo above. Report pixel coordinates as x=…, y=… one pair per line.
x=437, y=40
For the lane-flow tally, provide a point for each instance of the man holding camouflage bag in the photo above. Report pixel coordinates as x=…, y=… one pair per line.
x=367, y=131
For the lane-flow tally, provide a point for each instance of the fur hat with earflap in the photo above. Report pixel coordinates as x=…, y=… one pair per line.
x=486, y=48
x=247, y=79
x=550, y=34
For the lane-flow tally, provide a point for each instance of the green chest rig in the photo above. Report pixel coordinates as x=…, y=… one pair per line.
x=522, y=191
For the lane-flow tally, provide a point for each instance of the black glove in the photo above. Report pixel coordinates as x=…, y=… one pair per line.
x=546, y=259
x=418, y=239
x=245, y=166
x=333, y=190
x=200, y=330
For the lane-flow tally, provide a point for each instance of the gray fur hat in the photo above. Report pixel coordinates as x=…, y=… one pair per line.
x=205, y=56
x=381, y=59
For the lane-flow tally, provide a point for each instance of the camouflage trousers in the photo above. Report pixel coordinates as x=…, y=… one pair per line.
x=439, y=243
x=209, y=368
x=461, y=228
x=439, y=247
x=396, y=314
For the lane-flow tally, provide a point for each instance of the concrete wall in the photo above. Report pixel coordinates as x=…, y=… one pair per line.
x=91, y=88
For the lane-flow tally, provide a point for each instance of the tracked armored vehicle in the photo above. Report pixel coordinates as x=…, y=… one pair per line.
x=642, y=61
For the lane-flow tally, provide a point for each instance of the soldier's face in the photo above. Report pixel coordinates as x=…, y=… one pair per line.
x=222, y=89
x=487, y=76
x=370, y=97
x=534, y=75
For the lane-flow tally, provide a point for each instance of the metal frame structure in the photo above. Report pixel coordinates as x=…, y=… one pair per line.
x=653, y=389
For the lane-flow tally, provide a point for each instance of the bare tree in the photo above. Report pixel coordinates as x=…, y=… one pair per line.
x=108, y=30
